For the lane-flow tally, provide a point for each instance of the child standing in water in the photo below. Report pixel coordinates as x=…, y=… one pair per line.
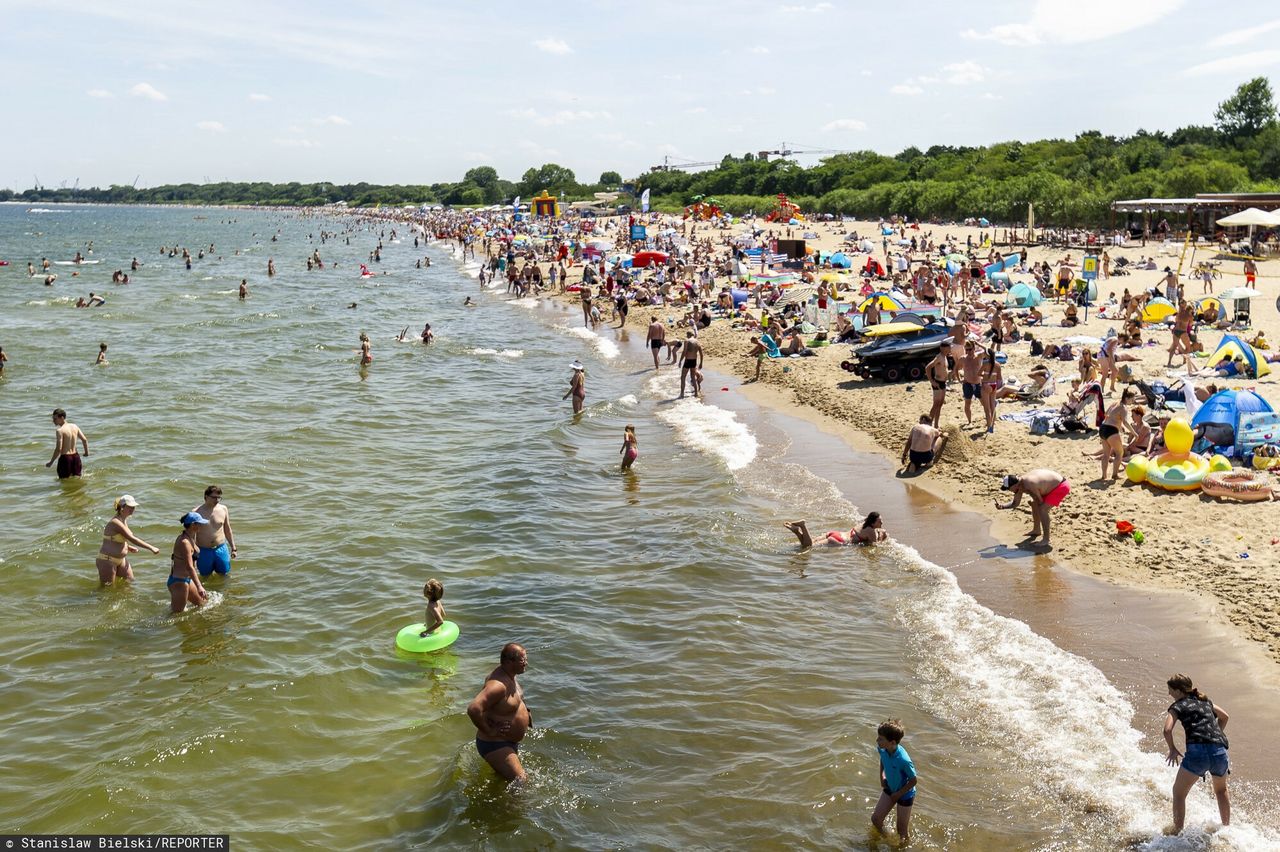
x=630, y=447
x=102, y=355
x=433, y=591
x=897, y=778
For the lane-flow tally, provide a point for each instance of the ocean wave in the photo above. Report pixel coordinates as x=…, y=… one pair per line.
x=500, y=353
x=606, y=347
x=704, y=427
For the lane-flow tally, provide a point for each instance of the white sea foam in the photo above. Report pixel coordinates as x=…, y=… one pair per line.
x=503, y=353
x=704, y=427
x=526, y=302
x=995, y=678
x=43, y=210
x=606, y=347
x=629, y=399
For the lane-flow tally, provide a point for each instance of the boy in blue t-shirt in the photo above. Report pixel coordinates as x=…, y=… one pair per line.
x=897, y=778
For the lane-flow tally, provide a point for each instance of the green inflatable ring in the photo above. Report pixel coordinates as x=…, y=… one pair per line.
x=408, y=639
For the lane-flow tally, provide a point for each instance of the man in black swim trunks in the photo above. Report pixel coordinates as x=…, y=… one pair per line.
x=692, y=364
x=500, y=715
x=656, y=338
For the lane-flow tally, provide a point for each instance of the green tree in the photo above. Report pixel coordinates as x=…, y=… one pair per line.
x=610, y=179
x=1248, y=111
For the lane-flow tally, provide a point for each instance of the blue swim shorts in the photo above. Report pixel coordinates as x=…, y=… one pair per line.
x=211, y=559
x=1204, y=757
x=906, y=801
x=972, y=391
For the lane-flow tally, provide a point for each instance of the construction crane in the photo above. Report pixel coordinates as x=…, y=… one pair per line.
x=795, y=149
x=667, y=165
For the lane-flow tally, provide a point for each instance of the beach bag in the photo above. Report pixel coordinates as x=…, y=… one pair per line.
x=1041, y=424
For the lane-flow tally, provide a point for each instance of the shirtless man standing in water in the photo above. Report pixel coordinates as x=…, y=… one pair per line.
x=692, y=364
x=216, y=540
x=656, y=338
x=500, y=715
x=64, y=446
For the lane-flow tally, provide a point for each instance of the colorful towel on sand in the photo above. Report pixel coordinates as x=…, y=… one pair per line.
x=1027, y=415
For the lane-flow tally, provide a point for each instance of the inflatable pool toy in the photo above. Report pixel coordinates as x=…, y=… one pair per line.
x=410, y=638
x=1135, y=470
x=1237, y=485
x=1219, y=463
x=1177, y=470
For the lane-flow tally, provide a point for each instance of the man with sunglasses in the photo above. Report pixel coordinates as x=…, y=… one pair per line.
x=215, y=539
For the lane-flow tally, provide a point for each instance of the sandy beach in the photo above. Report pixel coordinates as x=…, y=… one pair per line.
x=1228, y=551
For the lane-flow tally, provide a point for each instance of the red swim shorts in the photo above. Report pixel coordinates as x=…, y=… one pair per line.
x=1056, y=496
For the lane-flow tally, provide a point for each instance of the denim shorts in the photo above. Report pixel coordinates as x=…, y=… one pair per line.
x=1203, y=757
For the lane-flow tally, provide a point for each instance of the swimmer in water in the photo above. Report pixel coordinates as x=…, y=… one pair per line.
x=366, y=356
x=433, y=591
x=400, y=338
x=872, y=532
x=102, y=356
x=467, y=303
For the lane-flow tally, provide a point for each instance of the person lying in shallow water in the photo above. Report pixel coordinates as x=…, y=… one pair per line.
x=872, y=532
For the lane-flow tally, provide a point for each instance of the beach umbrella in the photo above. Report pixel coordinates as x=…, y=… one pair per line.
x=885, y=301
x=1252, y=216
x=1236, y=294
x=841, y=260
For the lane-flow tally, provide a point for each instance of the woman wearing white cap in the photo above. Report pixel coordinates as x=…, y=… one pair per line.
x=118, y=541
x=577, y=387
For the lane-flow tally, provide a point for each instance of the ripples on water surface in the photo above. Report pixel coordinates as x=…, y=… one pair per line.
x=695, y=683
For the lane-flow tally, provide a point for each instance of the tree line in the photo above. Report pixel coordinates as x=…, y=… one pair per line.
x=1070, y=182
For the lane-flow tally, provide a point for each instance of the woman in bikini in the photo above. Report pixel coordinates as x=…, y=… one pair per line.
x=1113, y=443
x=630, y=447
x=184, y=581
x=872, y=532
x=1088, y=367
x=118, y=541
x=992, y=381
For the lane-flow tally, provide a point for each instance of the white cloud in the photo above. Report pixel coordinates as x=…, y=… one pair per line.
x=562, y=116
x=1244, y=62
x=906, y=89
x=557, y=46
x=766, y=90
x=964, y=73
x=211, y=126
x=99, y=93
x=258, y=96
x=865, y=72
x=296, y=143
x=333, y=119
x=1247, y=34
x=477, y=157
x=992, y=96
x=1055, y=22
x=698, y=110
x=815, y=8
x=845, y=124
x=146, y=90
x=760, y=49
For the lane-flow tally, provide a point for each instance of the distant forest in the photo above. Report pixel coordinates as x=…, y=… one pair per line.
x=1071, y=182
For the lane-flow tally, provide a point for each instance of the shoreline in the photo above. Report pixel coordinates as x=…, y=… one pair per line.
x=1193, y=543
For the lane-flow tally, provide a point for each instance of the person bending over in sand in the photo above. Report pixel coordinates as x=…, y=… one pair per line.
x=1045, y=488
x=924, y=443
x=759, y=353
x=872, y=532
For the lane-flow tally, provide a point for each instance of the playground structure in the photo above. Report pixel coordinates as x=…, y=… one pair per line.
x=702, y=208
x=785, y=211
x=545, y=204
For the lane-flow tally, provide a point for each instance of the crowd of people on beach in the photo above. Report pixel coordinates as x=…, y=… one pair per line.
x=702, y=273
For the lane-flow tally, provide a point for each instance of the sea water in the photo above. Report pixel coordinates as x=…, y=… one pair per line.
x=695, y=682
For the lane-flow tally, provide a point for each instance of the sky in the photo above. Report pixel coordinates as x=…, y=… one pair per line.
x=419, y=92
